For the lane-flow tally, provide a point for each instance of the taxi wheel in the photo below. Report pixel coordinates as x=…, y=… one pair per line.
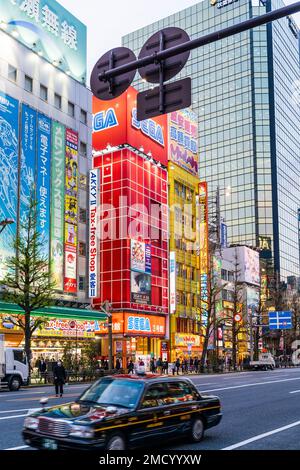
x=116, y=442
x=197, y=431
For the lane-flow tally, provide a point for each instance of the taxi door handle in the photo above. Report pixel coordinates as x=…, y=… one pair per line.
x=167, y=413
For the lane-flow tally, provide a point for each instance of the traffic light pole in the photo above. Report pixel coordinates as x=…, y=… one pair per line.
x=160, y=56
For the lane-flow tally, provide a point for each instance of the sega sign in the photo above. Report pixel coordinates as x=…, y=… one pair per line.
x=149, y=128
x=105, y=120
x=138, y=324
x=115, y=124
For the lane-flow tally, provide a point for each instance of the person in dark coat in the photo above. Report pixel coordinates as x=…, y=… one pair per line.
x=118, y=364
x=59, y=374
x=130, y=367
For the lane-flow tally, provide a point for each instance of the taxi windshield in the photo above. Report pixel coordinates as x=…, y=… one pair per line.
x=116, y=392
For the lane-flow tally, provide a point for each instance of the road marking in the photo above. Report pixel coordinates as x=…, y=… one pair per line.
x=11, y=417
x=17, y=411
x=295, y=391
x=262, y=436
x=17, y=448
x=18, y=393
x=66, y=395
x=250, y=385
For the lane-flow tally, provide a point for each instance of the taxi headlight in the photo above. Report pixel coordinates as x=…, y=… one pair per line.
x=81, y=431
x=31, y=423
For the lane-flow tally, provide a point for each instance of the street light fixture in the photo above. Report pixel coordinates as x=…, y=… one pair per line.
x=4, y=223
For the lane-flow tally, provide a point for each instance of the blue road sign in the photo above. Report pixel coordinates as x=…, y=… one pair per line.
x=280, y=320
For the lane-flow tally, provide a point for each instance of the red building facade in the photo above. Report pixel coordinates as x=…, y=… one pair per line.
x=133, y=227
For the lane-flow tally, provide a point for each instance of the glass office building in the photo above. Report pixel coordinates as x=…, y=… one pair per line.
x=245, y=95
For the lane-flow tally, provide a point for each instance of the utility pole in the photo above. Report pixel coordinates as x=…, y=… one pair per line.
x=107, y=310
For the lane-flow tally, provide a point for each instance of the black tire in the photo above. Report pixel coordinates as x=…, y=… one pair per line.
x=197, y=430
x=14, y=383
x=116, y=442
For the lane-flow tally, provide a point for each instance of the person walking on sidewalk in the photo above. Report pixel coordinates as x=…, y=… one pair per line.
x=59, y=378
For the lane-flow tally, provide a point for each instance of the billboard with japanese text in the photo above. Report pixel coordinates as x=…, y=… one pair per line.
x=28, y=158
x=50, y=30
x=183, y=139
x=140, y=256
x=9, y=148
x=71, y=211
x=43, y=180
x=57, y=202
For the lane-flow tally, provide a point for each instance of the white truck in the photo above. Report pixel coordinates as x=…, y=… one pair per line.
x=266, y=361
x=13, y=367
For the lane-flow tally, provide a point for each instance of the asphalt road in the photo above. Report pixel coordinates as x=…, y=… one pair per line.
x=261, y=410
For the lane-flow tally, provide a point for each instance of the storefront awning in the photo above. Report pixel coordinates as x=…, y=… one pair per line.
x=55, y=312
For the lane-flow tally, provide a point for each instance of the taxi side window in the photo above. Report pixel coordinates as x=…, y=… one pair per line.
x=154, y=396
x=179, y=392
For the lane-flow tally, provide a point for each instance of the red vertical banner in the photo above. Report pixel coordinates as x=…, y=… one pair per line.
x=71, y=212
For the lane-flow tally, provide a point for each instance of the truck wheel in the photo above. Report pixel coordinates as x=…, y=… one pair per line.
x=14, y=383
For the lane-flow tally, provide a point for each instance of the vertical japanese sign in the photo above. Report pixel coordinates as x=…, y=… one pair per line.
x=58, y=202
x=43, y=180
x=71, y=211
x=9, y=144
x=28, y=159
x=204, y=258
x=94, y=184
x=172, y=281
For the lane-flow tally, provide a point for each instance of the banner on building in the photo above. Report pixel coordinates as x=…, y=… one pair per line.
x=71, y=211
x=9, y=149
x=28, y=159
x=140, y=288
x=94, y=189
x=57, y=203
x=140, y=256
x=183, y=139
x=43, y=181
x=172, y=282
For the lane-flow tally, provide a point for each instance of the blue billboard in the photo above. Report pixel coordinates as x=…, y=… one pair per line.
x=223, y=230
x=28, y=159
x=43, y=180
x=49, y=30
x=9, y=137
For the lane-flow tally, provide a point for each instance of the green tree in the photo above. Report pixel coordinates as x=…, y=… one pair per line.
x=28, y=282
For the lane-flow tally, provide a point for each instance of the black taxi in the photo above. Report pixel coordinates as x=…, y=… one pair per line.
x=124, y=411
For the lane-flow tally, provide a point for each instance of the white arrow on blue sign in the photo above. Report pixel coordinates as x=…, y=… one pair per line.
x=280, y=320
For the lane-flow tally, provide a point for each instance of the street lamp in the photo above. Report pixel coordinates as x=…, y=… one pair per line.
x=4, y=223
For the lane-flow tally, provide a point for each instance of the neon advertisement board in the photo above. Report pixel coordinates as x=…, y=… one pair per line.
x=9, y=136
x=43, y=180
x=183, y=139
x=57, y=202
x=50, y=30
